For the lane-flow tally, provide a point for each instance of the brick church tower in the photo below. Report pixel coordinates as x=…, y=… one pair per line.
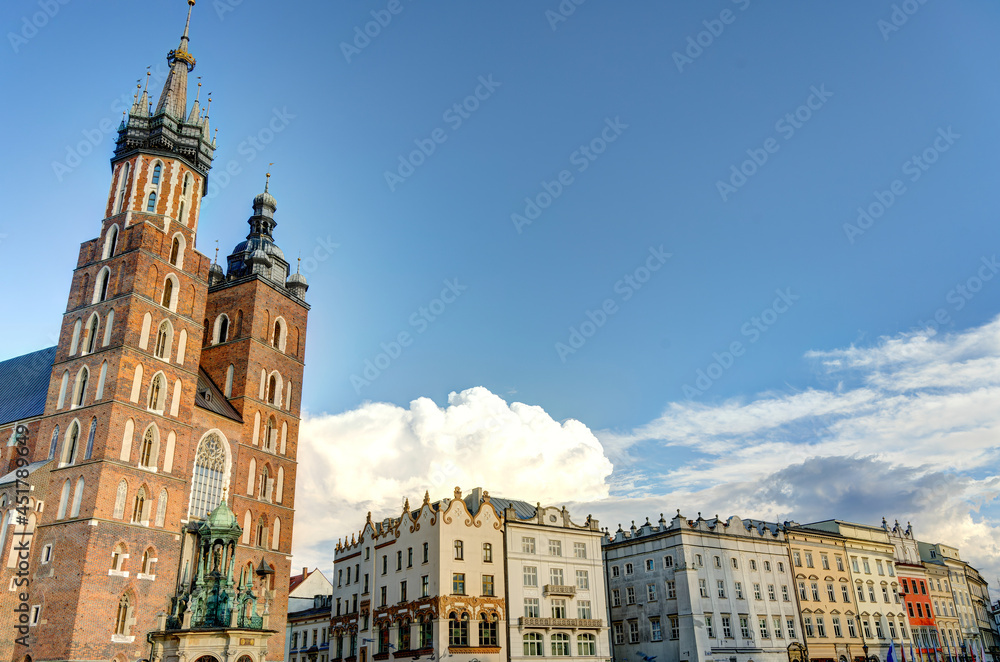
x=175, y=386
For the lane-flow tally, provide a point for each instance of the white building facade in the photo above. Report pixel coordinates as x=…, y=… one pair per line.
x=555, y=587
x=706, y=590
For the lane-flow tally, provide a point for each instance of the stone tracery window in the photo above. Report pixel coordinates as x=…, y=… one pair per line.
x=209, y=474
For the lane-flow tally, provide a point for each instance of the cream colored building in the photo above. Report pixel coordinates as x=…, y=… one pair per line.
x=555, y=588
x=949, y=629
x=870, y=560
x=822, y=582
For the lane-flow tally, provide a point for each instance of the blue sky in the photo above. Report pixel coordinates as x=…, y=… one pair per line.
x=869, y=99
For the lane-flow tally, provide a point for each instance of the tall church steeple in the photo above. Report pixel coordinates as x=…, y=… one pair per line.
x=173, y=98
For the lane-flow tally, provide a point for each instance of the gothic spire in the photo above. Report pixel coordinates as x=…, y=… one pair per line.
x=173, y=98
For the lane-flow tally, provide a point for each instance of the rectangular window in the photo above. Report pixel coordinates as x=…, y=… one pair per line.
x=628, y=569
x=820, y=626
x=809, y=626
x=790, y=628
x=845, y=593
x=559, y=608
x=633, y=632
x=668, y=561
x=582, y=580
x=409, y=557
x=866, y=626
x=619, y=634
x=861, y=593
x=555, y=548
x=815, y=591
x=824, y=561
x=654, y=630
x=878, y=567
x=629, y=595
x=487, y=553
x=426, y=551
x=615, y=572
x=878, y=629
x=767, y=566
x=531, y=609
x=762, y=625
x=459, y=550
x=809, y=560
x=784, y=593
x=616, y=597
x=402, y=591
x=528, y=545
x=425, y=586
x=840, y=563
x=854, y=564
x=871, y=592
x=885, y=594
x=675, y=629
x=757, y=595
x=382, y=596
x=802, y=591
x=771, y=595
x=580, y=550
x=487, y=584
x=776, y=621
x=836, y=627
x=649, y=565
x=739, y=590
x=385, y=564
x=703, y=587
x=458, y=583
x=530, y=574
x=671, y=590
x=868, y=569
x=745, y=627
x=708, y=626
x=697, y=560
x=651, y=593
x=781, y=566
x=892, y=629
x=722, y=588
x=583, y=609
x=797, y=559
x=556, y=576
x=830, y=593
x=851, y=631
x=399, y=560
x=718, y=561
x=736, y=565
x=727, y=628
x=753, y=564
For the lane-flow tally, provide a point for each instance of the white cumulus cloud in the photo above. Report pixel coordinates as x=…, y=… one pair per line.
x=370, y=458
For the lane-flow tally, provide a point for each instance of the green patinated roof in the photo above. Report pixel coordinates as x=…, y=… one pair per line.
x=221, y=519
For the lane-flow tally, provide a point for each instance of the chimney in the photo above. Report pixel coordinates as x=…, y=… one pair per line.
x=305, y=572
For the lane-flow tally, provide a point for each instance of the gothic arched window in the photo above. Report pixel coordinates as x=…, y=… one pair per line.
x=123, y=616
x=272, y=389
x=69, y=448
x=120, y=497
x=157, y=393
x=210, y=465
x=164, y=336
x=147, y=452
x=156, y=174
x=151, y=204
x=90, y=439
x=139, y=506
x=53, y=443
x=168, y=293
x=77, y=498
x=122, y=187
x=80, y=390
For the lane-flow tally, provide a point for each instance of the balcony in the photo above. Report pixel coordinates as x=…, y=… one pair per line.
x=581, y=623
x=558, y=589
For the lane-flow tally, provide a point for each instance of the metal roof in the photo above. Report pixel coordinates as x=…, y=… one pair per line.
x=12, y=475
x=208, y=396
x=24, y=385
x=522, y=509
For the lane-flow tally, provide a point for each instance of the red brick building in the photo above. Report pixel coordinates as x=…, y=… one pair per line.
x=174, y=385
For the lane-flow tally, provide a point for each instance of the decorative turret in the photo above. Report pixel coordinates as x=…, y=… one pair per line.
x=259, y=256
x=167, y=131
